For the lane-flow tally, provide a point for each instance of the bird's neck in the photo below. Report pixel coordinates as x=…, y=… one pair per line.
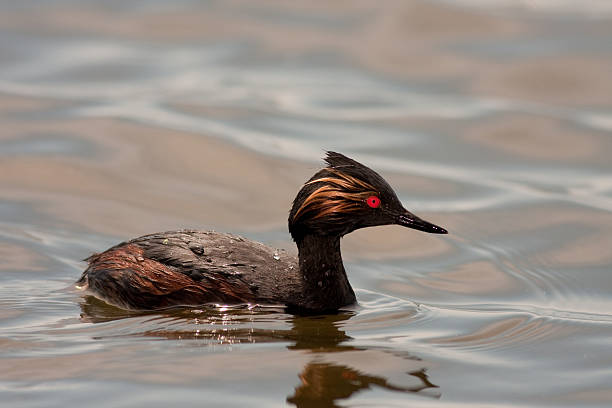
x=325, y=285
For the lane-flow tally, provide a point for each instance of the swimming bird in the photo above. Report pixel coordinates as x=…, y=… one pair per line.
x=190, y=268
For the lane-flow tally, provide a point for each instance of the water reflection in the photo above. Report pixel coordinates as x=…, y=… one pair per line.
x=322, y=384
x=335, y=369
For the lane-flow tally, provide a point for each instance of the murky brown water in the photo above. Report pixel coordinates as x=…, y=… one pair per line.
x=491, y=119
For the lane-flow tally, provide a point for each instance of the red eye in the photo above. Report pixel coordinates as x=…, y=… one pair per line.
x=373, y=201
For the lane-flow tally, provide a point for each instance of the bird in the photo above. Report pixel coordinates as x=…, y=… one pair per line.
x=195, y=268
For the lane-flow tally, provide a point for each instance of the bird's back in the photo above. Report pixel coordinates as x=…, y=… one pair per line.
x=191, y=267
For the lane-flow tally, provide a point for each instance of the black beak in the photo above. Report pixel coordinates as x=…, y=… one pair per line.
x=412, y=221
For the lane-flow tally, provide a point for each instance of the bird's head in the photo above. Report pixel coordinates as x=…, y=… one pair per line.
x=345, y=196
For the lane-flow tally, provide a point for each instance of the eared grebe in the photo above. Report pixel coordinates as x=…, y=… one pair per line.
x=188, y=268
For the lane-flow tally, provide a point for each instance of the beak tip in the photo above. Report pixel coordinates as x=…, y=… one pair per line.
x=434, y=229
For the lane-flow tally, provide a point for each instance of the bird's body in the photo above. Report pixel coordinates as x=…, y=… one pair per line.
x=182, y=268
x=191, y=267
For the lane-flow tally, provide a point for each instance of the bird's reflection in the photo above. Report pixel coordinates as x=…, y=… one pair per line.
x=322, y=384
x=324, y=380
x=336, y=371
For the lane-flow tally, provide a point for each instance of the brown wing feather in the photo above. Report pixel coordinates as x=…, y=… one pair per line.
x=124, y=276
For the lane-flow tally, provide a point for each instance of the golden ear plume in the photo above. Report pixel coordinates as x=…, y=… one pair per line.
x=340, y=193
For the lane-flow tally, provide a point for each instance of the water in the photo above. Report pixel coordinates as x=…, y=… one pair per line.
x=492, y=119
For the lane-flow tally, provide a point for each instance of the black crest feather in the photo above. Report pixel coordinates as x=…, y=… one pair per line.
x=354, y=168
x=338, y=160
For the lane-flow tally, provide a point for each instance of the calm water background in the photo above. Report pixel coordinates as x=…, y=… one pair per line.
x=493, y=119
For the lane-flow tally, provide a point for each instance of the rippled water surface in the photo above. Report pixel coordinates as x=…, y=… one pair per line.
x=493, y=119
